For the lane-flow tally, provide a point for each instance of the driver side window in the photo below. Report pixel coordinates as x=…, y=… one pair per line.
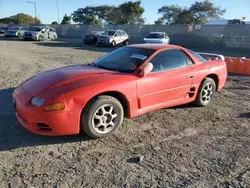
x=168, y=60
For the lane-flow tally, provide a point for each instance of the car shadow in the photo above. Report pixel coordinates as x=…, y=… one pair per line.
x=2, y=38
x=13, y=135
x=75, y=43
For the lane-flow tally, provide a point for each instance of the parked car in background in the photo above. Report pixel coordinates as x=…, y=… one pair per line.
x=40, y=33
x=113, y=38
x=15, y=31
x=3, y=30
x=127, y=82
x=156, y=37
x=91, y=38
x=225, y=22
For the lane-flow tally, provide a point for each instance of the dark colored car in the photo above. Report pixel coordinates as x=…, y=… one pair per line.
x=91, y=38
x=3, y=30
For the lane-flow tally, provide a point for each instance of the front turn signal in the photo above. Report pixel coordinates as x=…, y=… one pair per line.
x=55, y=107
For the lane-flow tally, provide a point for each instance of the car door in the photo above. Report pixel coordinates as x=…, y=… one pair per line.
x=123, y=36
x=169, y=81
x=22, y=31
x=45, y=33
x=118, y=37
x=51, y=33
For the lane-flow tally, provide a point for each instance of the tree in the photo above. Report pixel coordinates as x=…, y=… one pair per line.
x=131, y=13
x=170, y=13
x=66, y=19
x=20, y=18
x=160, y=21
x=54, y=23
x=86, y=15
x=126, y=13
x=197, y=13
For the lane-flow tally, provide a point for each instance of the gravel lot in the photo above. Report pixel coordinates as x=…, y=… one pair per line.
x=177, y=147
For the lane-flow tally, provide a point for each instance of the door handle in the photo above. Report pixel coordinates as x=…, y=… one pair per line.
x=190, y=76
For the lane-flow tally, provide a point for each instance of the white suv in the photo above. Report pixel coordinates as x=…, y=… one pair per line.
x=156, y=37
x=112, y=38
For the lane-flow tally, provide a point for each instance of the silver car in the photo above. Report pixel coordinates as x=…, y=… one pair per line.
x=113, y=38
x=15, y=31
x=40, y=33
x=156, y=37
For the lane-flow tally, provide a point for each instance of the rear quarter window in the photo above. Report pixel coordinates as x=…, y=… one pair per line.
x=197, y=56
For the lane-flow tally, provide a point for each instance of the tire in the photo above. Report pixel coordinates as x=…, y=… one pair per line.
x=125, y=43
x=98, y=112
x=206, y=92
x=54, y=37
x=40, y=38
x=19, y=35
x=113, y=44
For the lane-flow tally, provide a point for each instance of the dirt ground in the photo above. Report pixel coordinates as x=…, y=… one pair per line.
x=183, y=146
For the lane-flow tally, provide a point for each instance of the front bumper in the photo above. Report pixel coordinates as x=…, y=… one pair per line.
x=102, y=43
x=30, y=37
x=10, y=34
x=40, y=122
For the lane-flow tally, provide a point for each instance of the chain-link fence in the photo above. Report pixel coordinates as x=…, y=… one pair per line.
x=206, y=36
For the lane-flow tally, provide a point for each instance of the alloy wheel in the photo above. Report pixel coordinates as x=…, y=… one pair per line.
x=105, y=119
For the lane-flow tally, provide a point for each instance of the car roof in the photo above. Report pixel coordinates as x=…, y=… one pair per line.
x=155, y=46
x=114, y=30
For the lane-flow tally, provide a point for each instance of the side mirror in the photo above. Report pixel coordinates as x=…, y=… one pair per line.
x=146, y=69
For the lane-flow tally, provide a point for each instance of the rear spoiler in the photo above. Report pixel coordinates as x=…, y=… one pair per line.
x=212, y=56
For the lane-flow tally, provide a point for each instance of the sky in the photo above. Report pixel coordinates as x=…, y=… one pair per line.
x=47, y=9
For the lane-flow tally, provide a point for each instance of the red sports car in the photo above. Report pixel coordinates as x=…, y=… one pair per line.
x=127, y=82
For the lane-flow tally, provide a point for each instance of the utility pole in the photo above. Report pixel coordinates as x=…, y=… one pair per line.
x=34, y=6
x=58, y=12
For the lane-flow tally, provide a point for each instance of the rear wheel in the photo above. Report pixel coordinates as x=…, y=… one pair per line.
x=206, y=92
x=102, y=116
x=125, y=43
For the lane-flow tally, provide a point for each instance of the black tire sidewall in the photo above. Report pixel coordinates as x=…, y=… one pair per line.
x=198, y=100
x=125, y=43
x=90, y=109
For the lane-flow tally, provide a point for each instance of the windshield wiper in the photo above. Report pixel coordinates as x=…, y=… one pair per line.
x=107, y=68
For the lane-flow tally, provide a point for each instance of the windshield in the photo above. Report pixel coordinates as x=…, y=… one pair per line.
x=155, y=35
x=125, y=59
x=14, y=28
x=110, y=33
x=35, y=29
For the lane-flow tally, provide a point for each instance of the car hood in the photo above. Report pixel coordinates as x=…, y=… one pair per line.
x=52, y=80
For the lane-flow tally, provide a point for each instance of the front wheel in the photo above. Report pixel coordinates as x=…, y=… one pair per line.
x=206, y=92
x=113, y=44
x=19, y=35
x=40, y=38
x=102, y=116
